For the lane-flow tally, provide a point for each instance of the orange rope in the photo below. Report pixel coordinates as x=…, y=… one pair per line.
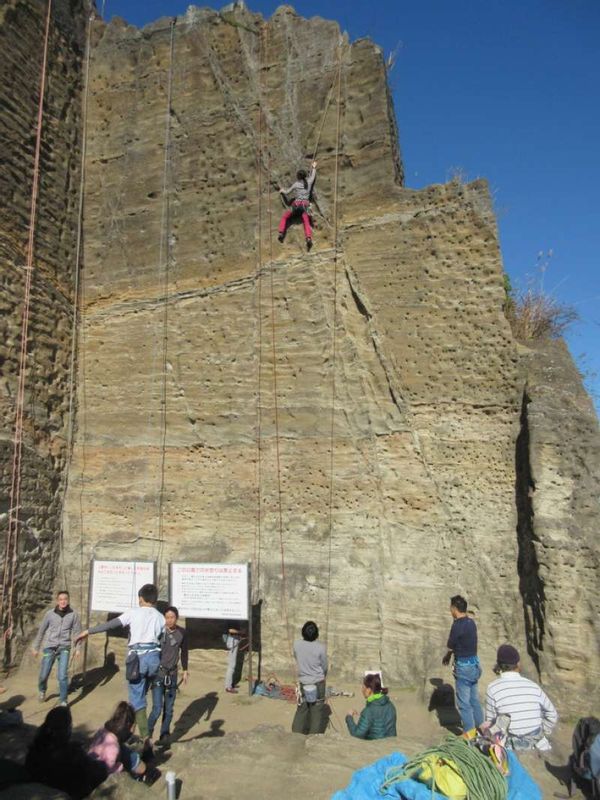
x=275, y=404
x=258, y=530
x=10, y=563
x=333, y=338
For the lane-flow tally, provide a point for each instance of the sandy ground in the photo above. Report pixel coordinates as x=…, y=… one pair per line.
x=231, y=746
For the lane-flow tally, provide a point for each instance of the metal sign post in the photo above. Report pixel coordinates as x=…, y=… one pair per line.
x=250, y=676
x=87, y=620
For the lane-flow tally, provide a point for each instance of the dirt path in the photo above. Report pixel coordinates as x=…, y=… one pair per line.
x=232, y=746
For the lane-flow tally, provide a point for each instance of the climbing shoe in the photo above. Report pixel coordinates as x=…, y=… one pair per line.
x=308, y=244
x=281, y=237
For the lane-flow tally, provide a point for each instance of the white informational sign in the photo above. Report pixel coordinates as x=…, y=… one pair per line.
x=210, y=591
x=115, y=584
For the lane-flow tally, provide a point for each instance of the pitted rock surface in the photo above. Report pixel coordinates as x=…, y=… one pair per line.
x=47, y=385
x=388, y=465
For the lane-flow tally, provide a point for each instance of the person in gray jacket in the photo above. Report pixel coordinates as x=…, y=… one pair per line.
x=299, y=192
x=60, y=626
x=311, y=659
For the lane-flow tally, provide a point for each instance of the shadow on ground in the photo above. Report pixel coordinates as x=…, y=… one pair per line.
x=442, y=702
x=197, y=709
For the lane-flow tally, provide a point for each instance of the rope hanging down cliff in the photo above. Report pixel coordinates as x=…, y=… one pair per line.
x=260, y=159
x=76, y=317
x=275, y=399
x=259, y=258
x=333, y=338
x=165, y=257
x=12, y=538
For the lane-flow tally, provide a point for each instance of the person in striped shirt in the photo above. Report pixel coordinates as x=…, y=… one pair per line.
x=532, y=714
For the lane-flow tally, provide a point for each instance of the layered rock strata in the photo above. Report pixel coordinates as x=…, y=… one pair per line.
x=411, y=448
x=22, y=27
x=557, y=467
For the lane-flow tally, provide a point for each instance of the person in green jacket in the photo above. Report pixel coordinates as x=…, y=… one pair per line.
x=378, y=718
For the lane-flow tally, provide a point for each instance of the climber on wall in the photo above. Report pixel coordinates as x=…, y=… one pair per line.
x=301, y=190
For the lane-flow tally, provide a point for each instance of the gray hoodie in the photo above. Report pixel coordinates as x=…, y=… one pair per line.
x=297, y=188
x=311, y=658
x=58, y=628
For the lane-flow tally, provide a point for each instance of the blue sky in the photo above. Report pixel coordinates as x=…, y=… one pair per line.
x=501, y=89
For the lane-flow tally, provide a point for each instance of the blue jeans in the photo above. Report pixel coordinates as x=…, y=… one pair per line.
x=149, y=663
x=163, y=701
x=49, y=657
x=467, y=696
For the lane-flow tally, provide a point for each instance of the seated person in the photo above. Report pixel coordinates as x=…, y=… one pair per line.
x=532, y=714
x=54, y=760
x=378, y=717
x=108, y=746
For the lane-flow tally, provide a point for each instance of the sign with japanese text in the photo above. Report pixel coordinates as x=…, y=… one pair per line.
x=115, y=584
x=210, y=591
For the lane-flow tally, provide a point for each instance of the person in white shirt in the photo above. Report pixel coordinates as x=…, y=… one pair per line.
x=146, y=627
x=532, y=714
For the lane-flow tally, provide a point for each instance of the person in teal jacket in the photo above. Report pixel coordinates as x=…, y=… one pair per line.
x=378, y=718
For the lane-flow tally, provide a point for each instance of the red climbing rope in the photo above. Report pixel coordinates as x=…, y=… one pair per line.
x=275, y=402
x=259, y=258
x=12, y=538
x=333, y=338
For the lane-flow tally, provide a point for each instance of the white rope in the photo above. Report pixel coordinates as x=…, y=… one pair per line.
x=165, y=258
x=74, y=330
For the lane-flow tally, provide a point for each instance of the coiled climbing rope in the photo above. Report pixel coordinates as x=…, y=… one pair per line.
x=482, y=779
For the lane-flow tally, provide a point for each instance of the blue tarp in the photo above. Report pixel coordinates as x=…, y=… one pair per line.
x=366, y=782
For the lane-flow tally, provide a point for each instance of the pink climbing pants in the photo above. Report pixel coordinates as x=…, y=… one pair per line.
x=298, y=207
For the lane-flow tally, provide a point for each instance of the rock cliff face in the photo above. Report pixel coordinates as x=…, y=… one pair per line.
x=22, y=26
x=397, y=461
x=558, y=464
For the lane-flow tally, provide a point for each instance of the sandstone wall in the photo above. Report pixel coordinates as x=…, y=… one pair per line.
x=22, y=26
x=426, y=398
x=558, y=471
x=443, y=479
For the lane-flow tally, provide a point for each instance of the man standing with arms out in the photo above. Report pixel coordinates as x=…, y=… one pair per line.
x=59, y=627
x=532, y=714
x=146, y=626
x=462, y=644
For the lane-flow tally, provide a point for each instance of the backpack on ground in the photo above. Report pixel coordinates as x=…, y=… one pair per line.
x=585, y=759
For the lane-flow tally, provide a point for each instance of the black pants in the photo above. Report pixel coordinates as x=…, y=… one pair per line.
x=311, y=717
